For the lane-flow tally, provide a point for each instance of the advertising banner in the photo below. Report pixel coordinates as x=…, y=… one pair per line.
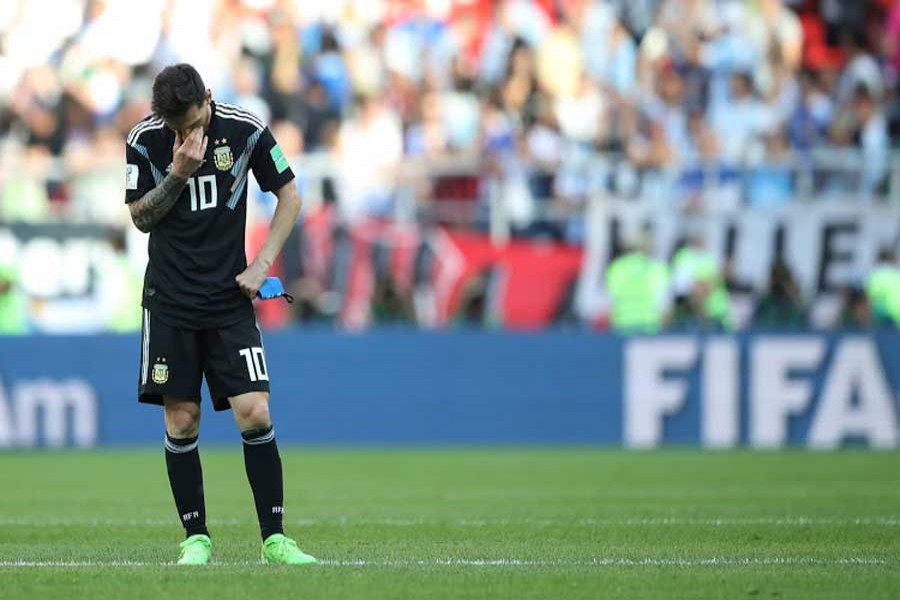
x=827, y=245
x=386, y=388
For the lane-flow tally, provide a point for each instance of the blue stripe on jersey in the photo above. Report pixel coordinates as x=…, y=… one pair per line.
x=241, y=168
x=157, y=175
x=232, y=202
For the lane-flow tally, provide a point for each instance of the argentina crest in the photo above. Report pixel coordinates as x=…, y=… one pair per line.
x=222, y=155
x=160, y=373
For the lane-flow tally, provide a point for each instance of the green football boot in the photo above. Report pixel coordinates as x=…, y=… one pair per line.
x=281, y=550
x=195, y=550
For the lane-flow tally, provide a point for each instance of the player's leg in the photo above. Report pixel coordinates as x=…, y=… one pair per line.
x=186, y=477
x=262, y=460
x=171, y=375
x=238, y=378
x=264, y=472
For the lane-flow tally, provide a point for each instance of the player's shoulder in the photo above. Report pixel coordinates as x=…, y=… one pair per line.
x=145, y=128
x=239, y=117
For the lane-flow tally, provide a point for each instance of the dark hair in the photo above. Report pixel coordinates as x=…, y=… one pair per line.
x=176, y=89
x=886, y=254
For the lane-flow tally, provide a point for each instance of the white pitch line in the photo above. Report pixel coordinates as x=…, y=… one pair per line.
x=494, y=562
x=611, y=562
x=473, y=522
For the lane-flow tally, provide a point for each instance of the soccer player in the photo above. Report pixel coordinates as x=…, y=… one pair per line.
x=186, y=184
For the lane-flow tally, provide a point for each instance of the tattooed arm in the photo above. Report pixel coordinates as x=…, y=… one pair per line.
x=149, y=210
x=187, y=156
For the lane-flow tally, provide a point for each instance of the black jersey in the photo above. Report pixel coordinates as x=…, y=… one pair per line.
x=197, y=249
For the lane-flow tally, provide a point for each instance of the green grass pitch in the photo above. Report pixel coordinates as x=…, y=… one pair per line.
x=465, y=524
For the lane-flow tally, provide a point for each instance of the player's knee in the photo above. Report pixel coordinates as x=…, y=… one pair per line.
x=254, y=414
x=182, y=421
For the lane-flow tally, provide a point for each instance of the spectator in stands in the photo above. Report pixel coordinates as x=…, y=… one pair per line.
x=559, y=61
x=248, y=88
x=770, y=184
x=775, y=30
x=781, y=89
x=461, y=110
x=701, y=149
x=808, y=124
x=475, y=301
x=283, y=92
x=94, y=162
x=704, y=181
x=428, y=137
x=871, y=137
x=38, y=108
x=13, y=309
x=863, y=125
x=649, y=147
x=582, y=115
x=519, y=90
x=882, y=283
x=390, y=303
x=741, y=122
x=666, y=109
x=314, y=115
x=365, y=59
x=329, y=68
x=24, y=196
x=609, y=50
x=120, y=287
x=698, y=283
x=861, y=70
x=505, y=169
x=782, y=305
x=544, y=148
x=637, y=285
x=856, y=311
x=515, y=22
x=370, y=146
x=894, y=307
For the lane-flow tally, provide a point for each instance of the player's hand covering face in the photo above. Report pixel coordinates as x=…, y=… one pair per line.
x=188, y=152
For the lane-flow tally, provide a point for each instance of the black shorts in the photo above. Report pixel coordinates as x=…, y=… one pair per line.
x=174, y=361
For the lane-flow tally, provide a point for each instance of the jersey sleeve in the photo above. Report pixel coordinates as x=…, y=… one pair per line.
x=138, y=175
x=270, y=165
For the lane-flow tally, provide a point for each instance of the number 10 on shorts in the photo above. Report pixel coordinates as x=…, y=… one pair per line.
x=256, y=363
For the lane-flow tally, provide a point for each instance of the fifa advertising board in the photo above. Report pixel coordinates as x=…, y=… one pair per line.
x=755, y=389
x=763, y=391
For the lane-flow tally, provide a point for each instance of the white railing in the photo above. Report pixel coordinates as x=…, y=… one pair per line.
x=821, y=174
x=808, y=177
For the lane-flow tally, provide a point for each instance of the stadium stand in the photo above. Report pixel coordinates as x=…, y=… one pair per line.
x=475, y=161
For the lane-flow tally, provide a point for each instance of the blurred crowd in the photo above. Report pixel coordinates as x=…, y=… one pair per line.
x=700, y=88
x=694, y=291
x=729, y=102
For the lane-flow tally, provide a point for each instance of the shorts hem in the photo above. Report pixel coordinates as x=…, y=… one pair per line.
x=220, y=400
x=156, y=399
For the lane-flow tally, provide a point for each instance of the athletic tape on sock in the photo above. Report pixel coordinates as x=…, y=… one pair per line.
x=181, y=446
x=258, y=436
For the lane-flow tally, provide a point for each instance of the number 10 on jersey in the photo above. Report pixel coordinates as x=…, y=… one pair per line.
x=203, y=192
x=256, y=363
